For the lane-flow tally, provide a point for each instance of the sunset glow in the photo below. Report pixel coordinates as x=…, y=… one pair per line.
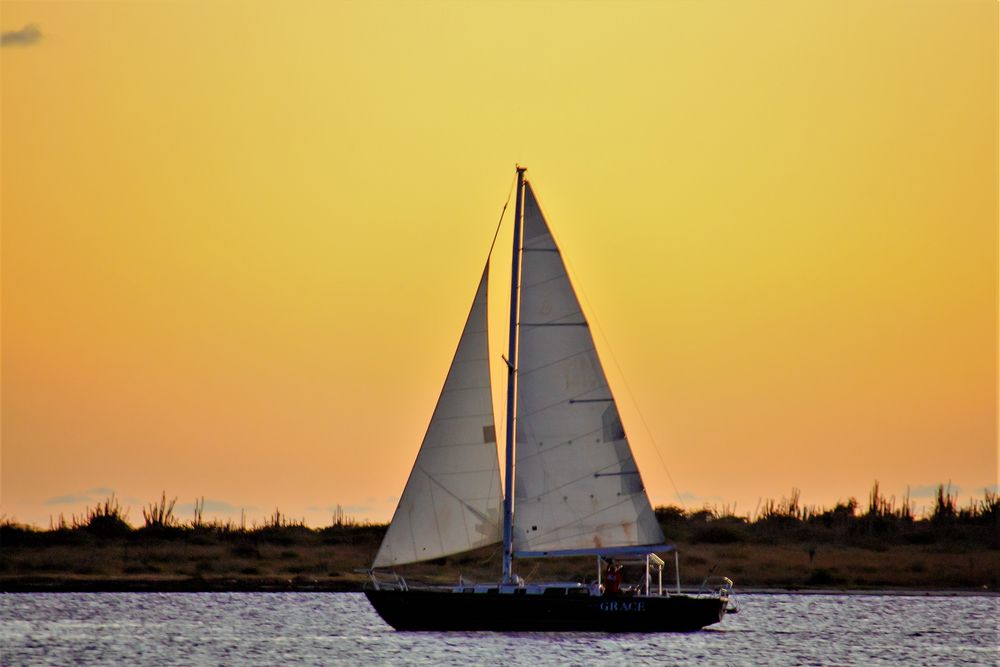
x=240, y=240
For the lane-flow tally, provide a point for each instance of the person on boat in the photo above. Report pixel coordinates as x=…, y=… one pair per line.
x=612, y=578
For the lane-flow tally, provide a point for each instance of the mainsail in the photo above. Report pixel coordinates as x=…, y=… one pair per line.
x=576, y=484
x=451, y=502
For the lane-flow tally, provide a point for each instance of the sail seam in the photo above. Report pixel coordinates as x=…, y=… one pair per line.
x=558, y=403
x=547, y=280
x=524, y=372
x=564, y=443
x=632, y=549
x=437, y=519
x=459, y=444
x=470, y=360
x=460, y=472
x=478, y=387
x=550, y=531
x=569, y=483
x=468, y=416
x=552, y=324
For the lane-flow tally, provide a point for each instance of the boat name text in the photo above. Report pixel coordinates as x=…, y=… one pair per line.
x=623, y=605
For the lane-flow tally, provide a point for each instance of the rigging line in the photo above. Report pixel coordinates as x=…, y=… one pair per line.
x=479, y=515
x=500, y=221
x=493, y=243
x=649, y=432
x=489, y=557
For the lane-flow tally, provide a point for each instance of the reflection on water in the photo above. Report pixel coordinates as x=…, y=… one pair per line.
x=341, y=629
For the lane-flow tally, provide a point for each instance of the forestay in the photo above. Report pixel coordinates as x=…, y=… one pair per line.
x=576, y=484
x=451, y=502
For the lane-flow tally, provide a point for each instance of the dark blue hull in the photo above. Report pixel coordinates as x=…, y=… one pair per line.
x=445, y=610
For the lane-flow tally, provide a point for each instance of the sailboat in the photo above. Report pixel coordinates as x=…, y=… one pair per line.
x=571, y=486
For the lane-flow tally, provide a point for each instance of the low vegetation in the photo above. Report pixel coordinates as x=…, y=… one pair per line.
x=881, y=525
x=782, y=544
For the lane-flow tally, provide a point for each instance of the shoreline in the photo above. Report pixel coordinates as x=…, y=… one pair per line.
x=292, y=558
x=30, y=585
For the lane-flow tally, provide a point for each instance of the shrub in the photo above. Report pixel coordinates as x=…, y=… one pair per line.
x=161, y=514
x=716, y=534
x=106, y=520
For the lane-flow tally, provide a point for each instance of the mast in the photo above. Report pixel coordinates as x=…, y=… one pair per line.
x=515, y=273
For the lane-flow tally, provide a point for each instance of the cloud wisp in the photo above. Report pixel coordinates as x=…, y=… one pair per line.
x=26, y=36
x=930, y=490
x=90, y=495
x=68, y=500
x=212, y=507
x=690, y=498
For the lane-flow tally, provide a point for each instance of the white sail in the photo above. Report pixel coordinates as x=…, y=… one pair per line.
x=576, y=484
x=451, y=502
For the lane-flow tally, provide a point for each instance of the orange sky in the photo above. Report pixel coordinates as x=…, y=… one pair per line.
x=239, y=240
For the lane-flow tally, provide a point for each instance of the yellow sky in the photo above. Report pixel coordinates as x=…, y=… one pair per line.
x=240, y=240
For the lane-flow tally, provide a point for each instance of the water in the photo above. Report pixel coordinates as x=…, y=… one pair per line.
x=341, y=629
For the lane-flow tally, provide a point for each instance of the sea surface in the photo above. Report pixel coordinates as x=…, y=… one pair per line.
x=341, y=629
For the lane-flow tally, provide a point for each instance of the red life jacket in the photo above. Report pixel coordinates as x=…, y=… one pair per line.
x=613, y=582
